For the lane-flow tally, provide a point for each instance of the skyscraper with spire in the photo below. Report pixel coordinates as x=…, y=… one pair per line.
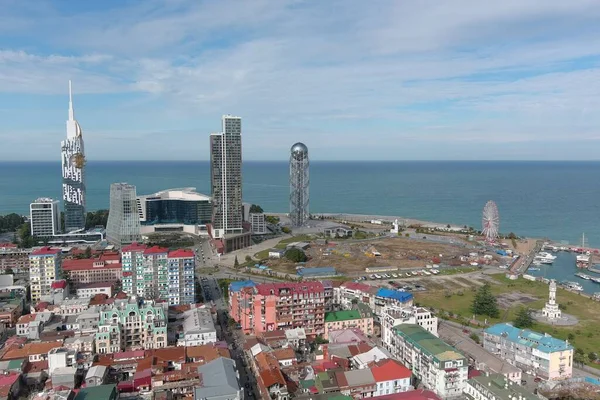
x=73, y=173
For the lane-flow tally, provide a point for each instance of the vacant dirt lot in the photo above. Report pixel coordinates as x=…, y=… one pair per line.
x=352, y=257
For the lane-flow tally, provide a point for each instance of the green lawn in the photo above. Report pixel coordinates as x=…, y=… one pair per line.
x=454, y=271
x=586, y=333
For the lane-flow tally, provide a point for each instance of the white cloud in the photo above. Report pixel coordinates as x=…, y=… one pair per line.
x=428, y=72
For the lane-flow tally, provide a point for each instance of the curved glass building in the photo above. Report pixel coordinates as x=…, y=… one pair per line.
x=299, y=181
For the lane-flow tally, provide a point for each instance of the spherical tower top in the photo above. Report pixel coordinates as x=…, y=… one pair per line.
x=299, y=151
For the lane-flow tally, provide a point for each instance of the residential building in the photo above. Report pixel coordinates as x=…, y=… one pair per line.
x=390, y=297
x=437, y=365
x=81, y=344
x=73, y=173
x=181, y=273
x=259, y=226
x=368, y=358
x=32, y=351
x=123, y=226
x=131, y=325
x=44, y=268
x=496, y=387
x=11, y=385
x=218, y=381
x=175, y=210
x=296, y=337
x=535, y=353
x=226, y=177
x=61, y=357
x=344, y=294
x=105, y=392
x=272, y=306
x=89, y=290
x=13, y=259
x=44, y=218
x=357, y=383
x=391, y=377
x=96, y=376
x=157, y=273
x=299, y=185
x=86, y=271
x=392, y=316
x=336, y=320
x=198, y=328
x=270, y=381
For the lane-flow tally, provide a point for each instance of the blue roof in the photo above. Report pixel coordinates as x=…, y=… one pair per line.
x=593, y=381
x=317, y=271
x=239, y=285
x=394, y=294
x=525, y=337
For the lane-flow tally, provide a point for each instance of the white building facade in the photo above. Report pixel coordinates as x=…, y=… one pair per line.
x=44, y=217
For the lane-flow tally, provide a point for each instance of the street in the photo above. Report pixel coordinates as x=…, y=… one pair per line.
x=212, y=293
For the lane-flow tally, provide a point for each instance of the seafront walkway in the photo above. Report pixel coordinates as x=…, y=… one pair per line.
x=523, y=262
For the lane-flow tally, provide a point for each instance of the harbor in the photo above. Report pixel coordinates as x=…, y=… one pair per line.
x=564, y=269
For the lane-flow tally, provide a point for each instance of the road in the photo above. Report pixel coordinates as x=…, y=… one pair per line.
x=212, y=292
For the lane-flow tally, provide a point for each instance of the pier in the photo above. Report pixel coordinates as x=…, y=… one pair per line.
x=523, y=262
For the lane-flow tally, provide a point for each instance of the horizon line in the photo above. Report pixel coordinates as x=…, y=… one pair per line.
x=312, y=160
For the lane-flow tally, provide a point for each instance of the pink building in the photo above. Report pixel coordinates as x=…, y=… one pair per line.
x=272, y=306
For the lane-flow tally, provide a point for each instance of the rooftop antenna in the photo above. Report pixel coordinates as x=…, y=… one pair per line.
x=71, y=113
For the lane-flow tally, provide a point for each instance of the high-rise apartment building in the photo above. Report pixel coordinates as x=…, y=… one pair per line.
x=131, y=325
x=123, y=226
x=44, y=217
x=273, y=306
x=157, y=273
x=226, y=177
x=73, y=172
x=44, y=269
x=299, y=184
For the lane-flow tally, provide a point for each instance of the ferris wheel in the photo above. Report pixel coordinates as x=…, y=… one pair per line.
x=490, y=221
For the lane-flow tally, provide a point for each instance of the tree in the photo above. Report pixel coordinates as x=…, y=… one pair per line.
x=592, y=356
x=523, y=319
x=448, y=226
x=295, y=255
x=570, y=337
x=248, y=258
x=579, y=356
x=96, y=218
x=285, y=229
x=88, y=252
x=512, y=236
x=474, y=337
x=255, y=208
x=236, y=263
x=485, y=302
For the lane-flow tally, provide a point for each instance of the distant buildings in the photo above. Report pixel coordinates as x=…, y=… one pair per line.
x=258, y=224
x=535, y=353
x=177, y=210
x=44, y=269
x=495, y=386
x=272, y=306
x=130, y=324
x=14, y=259
x=157, y=273
x=437, y=365
x=299, y=185
x=44, y=218
x=392, y=316
x=123, y=226
x=106, y=268
x=73, y=173
x=226, y=177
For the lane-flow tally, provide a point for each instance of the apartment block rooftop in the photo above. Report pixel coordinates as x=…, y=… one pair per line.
x=427, y=342
x=526, y=337
x=497, y=386
x=346, y=315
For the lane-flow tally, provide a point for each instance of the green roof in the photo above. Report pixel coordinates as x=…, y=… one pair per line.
x=307, y=383
x=496, y=384
x=342, y=315
x=16, y=364
x=104, y=392
x=427, y=342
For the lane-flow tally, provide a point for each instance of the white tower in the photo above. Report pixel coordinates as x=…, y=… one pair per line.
x=551, y=309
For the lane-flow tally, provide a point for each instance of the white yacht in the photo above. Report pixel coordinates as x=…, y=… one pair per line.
x=574, y=286
x=544, y=254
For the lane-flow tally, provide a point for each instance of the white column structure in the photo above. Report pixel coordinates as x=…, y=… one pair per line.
x=551, y=309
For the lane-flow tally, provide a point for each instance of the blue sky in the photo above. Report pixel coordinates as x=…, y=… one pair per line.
x=385, y=80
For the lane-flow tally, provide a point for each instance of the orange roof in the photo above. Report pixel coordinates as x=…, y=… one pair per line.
x=25, y=319
x=36, y=366
x=271, y=377
x=181, y=253
x=206, y=353
x=175, y=354
x=45, y=251
x=144, y=364
x=31, y=349
x=133, y=247
x=284, y=354
x=389, y=370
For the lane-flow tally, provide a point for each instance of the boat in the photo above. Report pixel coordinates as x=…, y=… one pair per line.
x=435, y=271
x=544, y=260
x=427, y=272
x=533, y=269
x=583, y=276
x=594, y=279
x=408, y=274
x=596, y=296
x=543, y=254
x=583, y=261
x=573, y=286
x=415, y=273
x=536, y=262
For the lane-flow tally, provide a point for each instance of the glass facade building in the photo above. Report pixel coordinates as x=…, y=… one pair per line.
x=187, y=212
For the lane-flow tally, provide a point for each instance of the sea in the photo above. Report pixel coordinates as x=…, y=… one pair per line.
x=563, y=269
x=557, y=200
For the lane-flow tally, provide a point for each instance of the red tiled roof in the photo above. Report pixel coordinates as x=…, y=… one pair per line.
x=389, y=370
x=110, y=256
x=96, y=285
x=62, y=284
x=272, y=376
x=36, y=366
x=284, y=354
x=134, y=247
x=7, y=245
x=87, y=264
x=45, y=251
x=301, y=287
x=42, y=305
x=31, y=349
x=410, y=395
x=357, y=286
x=25, y=319
x=181, y=253
x=126, y=355
x=156, y=250
x=121, y=296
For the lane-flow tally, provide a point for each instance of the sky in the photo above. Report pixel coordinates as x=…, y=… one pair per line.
x=352, y=79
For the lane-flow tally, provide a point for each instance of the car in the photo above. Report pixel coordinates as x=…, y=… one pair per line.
x=537, y=379
x=466, y=331
x=523, y=382
x=392, y=283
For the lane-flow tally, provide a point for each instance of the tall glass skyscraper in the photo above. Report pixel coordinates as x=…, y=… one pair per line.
x=73, y=173
x=123, y=226
x=226, y=177
x=299, y=183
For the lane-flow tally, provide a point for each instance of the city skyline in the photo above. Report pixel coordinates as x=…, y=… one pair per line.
x=501, y=81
